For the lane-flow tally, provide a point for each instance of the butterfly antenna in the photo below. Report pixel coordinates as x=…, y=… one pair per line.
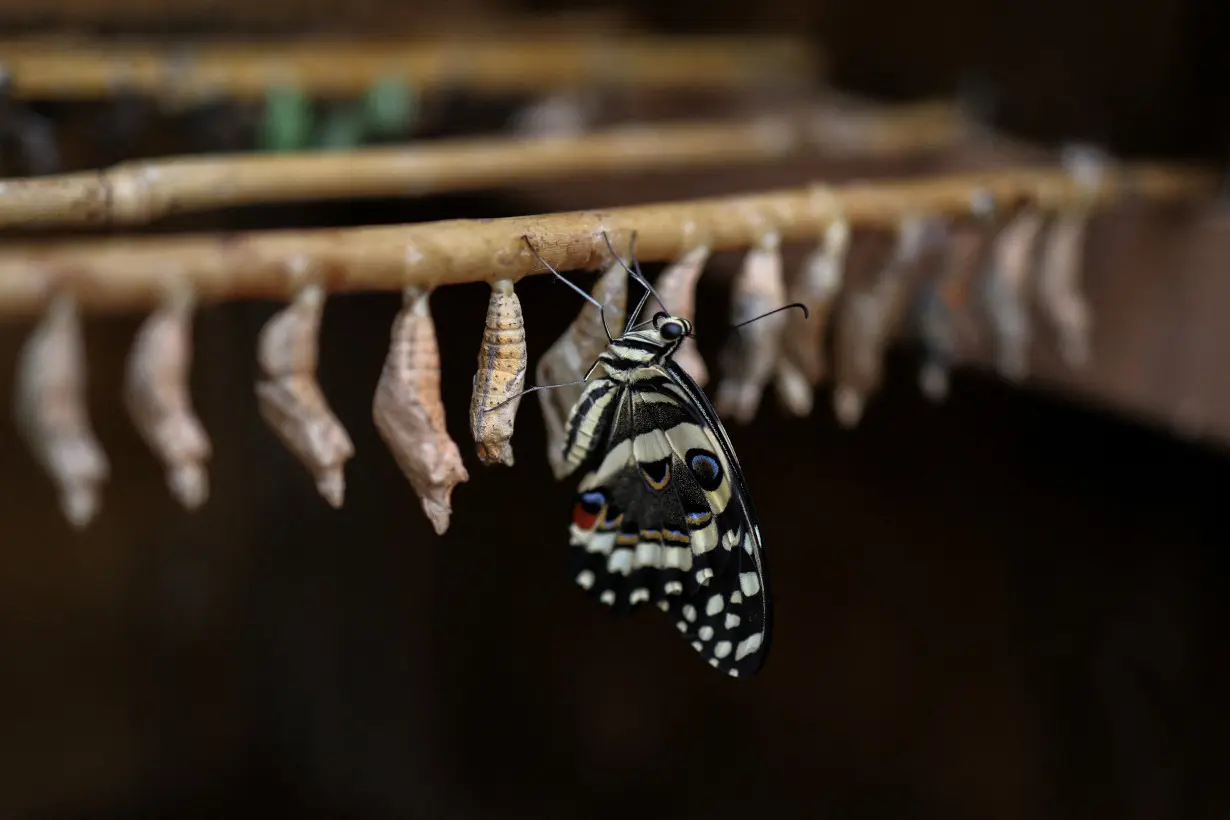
x=636, y=313
x=799, y=305
x=559, y=276
x=635, y=274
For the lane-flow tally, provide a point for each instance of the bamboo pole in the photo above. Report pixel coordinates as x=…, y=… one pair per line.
x=134, y=193
x=126, y=274
x=63, y=69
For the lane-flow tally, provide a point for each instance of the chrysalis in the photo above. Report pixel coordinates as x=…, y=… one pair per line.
x=572, y=354
x=157, y=395
x=50, y=411
x=949, y=327
x=1012, y=260
x=802, y=365
x=677, y=287
x=290, y=399
x=1058, y=288
x=409, y=414
x=754, y=350
x=945, y=326
x=868, y=319
x=938, y=336
x=502, y=361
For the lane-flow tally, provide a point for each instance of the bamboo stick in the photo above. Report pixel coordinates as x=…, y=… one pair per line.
x=139, y=192
x=64, y=69
x=126, y=274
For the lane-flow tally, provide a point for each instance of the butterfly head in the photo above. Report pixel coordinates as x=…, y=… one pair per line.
x=647, y=344
x=671, y=328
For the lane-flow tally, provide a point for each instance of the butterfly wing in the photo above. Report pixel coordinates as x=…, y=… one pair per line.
x=662, y=515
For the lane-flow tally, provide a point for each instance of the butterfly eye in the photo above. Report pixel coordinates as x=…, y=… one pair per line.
x=671, y=330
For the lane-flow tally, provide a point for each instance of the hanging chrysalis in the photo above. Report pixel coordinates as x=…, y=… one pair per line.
x=853, y=344
x=1059, y=286
x=1012, y=259
x=573, y=353
x=1059, y=290
x=502, y=361
x=409, y=414
x=677, y=287
x=157, y=395
x=868, y=319
x=942, y=311
x=802, y=365
x=290, y=399
x=753, y=350
x=50, y=411
x=948, y=326
x=934, y=323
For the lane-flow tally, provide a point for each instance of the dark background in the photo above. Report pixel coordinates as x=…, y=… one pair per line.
x=1006, y=606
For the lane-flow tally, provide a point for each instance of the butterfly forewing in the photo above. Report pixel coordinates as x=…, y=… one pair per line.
x=661, y=513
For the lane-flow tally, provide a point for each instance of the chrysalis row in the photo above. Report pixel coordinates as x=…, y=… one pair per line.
x=1004, y=260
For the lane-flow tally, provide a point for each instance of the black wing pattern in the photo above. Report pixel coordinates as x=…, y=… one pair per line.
x=662, y=515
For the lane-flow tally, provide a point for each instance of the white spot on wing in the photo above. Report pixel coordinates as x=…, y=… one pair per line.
x=750, y=583
x=732, y=620
x=620, y=562
x=714, y=606
x=585, y=578
x=705, y=633
x=647, y=554
x=672, y=587
x=697, y=645
x=651, y=446
x=664, y=605
x=638, y=594
x=722, y=648
x=682, y=626
x=748, y=645
x=689, y=613
x=706, y=538
x=607, y=597
x=595, y=542
x=677, y=558
x=736, y=597
x=703, y=576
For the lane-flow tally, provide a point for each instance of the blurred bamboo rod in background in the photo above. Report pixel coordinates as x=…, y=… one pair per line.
x=59, y=69
x=133, y=274
x=138, y=192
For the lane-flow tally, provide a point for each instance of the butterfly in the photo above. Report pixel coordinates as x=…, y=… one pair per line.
x=662, y=514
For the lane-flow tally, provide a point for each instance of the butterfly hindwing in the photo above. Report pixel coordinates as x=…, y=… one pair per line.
x=662, y=515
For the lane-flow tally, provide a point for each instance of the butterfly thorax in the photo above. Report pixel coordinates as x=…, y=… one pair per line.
x=640, y=349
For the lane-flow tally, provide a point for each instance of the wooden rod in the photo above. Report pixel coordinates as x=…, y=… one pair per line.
x=133, y=274
x=139, y=192
x=65, y=69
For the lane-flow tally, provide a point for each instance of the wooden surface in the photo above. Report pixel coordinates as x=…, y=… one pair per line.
x=58, y=68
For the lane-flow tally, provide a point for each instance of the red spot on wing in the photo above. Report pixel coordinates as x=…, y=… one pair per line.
x=582, y=517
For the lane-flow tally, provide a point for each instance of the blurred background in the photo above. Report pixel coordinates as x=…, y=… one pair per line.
x=1010, y=605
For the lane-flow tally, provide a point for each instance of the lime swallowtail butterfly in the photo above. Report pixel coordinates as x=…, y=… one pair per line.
x=662, y=514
